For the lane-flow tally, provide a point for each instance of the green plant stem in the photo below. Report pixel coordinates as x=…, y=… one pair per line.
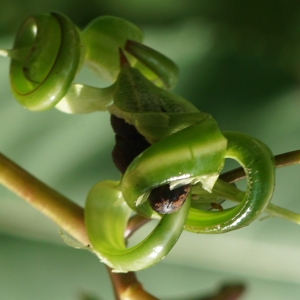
x=276, y=211
x=68, y=216
x=230, y=192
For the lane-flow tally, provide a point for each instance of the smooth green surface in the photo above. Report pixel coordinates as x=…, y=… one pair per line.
x=257, y=161
x=188, y=155
x=155, y=112
x=166, y=70
x=103, y=39
x=194, y=154
x=42, y=91
x=106, y=216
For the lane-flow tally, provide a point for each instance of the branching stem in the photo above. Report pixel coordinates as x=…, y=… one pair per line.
x=67, y=215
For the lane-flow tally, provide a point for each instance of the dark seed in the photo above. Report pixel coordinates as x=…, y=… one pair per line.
x=166, y=201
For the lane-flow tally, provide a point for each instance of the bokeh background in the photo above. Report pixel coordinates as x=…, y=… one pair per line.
x=239, y=61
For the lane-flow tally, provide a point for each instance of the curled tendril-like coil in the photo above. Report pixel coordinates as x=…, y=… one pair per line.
x=41, y=77
x=188, y=147
x=197, y=154
x=49, y=50
x=193, y=156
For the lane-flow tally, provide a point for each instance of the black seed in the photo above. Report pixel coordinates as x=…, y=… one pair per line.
x=166, y=201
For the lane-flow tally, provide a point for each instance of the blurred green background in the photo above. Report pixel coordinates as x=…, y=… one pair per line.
x=239, y=61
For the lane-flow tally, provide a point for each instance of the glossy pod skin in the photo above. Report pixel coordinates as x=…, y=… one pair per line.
x=187, y=147
x=42, y=79
x=49, y=51
x=163, y=163
x=168, y=159
x=105, y=203
x=193, y=154
x=153, y=111
x=47, y=54
x=258, y=163
x=162, y=66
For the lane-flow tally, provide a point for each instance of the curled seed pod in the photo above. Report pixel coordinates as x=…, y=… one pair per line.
x=194, y=154
x=258, y=163
x=197, y=154
x=48, y=58
x=106, y=217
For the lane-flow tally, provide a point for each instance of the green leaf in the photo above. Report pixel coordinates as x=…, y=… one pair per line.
x=155, y=112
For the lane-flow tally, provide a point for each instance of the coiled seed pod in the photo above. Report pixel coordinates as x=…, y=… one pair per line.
x=49, y=56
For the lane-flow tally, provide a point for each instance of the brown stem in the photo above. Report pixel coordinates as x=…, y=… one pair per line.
x=127, y=287
x=281, y=160
x=65, y=213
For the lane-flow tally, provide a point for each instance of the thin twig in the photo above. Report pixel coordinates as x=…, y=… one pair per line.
x=65, y=213
x=281, y=160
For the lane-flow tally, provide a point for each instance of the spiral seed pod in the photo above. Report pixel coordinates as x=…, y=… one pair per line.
x=258, y=163
x=49, y=50
x=106, y=216
x=194, y=154
x=49, y=56
x=197, y=154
